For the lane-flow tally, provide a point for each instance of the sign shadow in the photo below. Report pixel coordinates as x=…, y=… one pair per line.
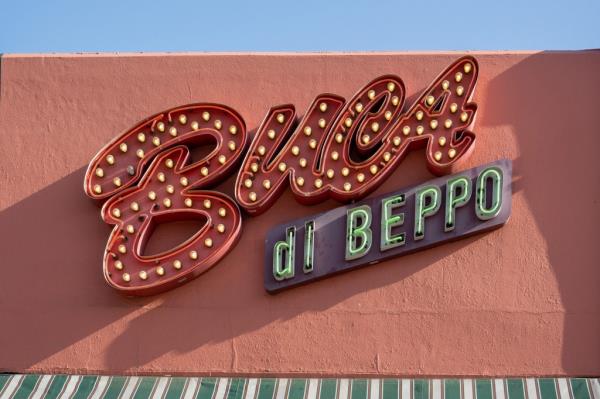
x=550, y=104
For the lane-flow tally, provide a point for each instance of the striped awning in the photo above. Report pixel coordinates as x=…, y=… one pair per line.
x=19, y=386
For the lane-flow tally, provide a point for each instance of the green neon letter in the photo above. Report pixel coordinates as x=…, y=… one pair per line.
x=309, y=246
x=458, y=193
x=388, y=221
x=358, y=232
x=283, y=256
x=427, y=203
x=483, y=212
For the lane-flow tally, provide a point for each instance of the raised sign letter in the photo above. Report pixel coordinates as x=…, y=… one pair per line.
x=427, y=203
x=284, y=256
x=389, y=221
x=458, y=193
x=169, y=190
x=481, y=209
x=359, y=234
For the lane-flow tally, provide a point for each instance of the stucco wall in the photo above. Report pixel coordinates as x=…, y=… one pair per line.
x=521, y=300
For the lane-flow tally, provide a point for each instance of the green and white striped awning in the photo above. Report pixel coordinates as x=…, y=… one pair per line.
x=19, y=386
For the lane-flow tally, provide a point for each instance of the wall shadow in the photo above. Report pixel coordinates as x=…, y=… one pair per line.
x=551, y=103
x=52, y=290
x=55, y=298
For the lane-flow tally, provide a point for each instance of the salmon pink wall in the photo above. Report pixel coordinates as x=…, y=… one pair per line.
x=521, y=300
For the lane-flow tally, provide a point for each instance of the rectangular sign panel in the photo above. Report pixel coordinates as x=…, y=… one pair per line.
x=398, y=223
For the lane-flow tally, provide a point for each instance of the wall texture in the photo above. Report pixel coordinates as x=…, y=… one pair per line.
x=521, y=300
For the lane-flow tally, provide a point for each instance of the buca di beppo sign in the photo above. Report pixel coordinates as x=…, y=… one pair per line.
x=390, y=225
x=340, y=149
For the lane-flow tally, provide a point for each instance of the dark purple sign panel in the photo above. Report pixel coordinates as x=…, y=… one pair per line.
x=390, y=225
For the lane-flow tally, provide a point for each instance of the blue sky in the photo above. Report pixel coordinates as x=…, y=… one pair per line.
x=218, y=25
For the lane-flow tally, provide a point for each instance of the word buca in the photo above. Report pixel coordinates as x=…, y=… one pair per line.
x=340, y=149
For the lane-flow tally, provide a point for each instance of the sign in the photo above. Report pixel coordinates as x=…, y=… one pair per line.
x=339, y=149
x=390, y=225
